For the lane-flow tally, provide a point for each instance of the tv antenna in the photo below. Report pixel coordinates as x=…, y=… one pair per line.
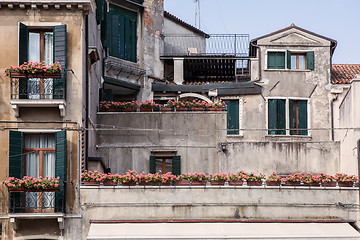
x=197, y=13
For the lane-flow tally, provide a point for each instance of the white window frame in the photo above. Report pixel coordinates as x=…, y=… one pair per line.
x=287, y=125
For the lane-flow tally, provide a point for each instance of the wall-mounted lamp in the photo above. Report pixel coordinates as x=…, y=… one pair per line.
x=223, y=147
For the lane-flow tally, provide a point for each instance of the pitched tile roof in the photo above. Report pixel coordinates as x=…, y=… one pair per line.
x=343, y=73
x=185, y=24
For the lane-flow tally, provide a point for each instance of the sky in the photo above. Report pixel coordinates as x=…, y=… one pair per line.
x=335, y=19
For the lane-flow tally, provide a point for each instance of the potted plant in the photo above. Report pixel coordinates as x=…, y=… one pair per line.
x=34, y=70
x=253, y=179
x=218, y=179
x=148, y=106
x=32, y=184
x=273, y=180
x=168, y=107
x=198, y=179
x=309, y=179
x=236, y=179
x=345, y=180
x=293, y=179
x=182, y=106
x=130, y=106
x=89, y=177
x=182, y=180
x=130, y=178
x=327, y=180
x=219, y=106
x=197, y=105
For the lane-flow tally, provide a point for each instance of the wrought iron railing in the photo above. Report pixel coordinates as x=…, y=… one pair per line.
x=236, y=45
x=37, y=88
x=30, y=201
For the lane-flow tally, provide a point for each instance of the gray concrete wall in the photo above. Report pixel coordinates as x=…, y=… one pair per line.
x=127, y=139
x=211, y=202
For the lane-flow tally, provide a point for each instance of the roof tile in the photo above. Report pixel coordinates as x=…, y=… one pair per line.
x=344, y=73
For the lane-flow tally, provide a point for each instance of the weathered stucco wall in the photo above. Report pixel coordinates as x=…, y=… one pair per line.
x=42, y=17
x=250, y=203
x=127, y=139
x=347, y=123
x=303, y=84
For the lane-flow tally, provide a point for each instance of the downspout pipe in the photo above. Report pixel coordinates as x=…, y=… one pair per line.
x=332, y=117
x=86, y=90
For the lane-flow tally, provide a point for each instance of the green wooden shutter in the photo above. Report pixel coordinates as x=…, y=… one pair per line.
x=276, y=117
x=302, y=117
x=272, y=116
x=60, y=168
x=127, y=34
x=60, y=55
x=292, y=117
x=133, y=41
x=16, y=167
x=271, y=60
x=176, y=165
x=281, y=117
x=288, y=59
x=99, y=11
x=23, y=57
x=152, y=164
x=16, y=158
x=232, y=116
x=310, y=61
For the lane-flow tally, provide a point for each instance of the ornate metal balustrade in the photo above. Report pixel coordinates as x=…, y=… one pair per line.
x=29, y=200
x=37, y=88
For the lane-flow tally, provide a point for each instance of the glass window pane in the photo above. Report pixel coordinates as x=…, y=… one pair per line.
x=34, y=47
x=301, y=61
x=49, y=164
x=293, y=62
x=48, y=51
x=168, y=165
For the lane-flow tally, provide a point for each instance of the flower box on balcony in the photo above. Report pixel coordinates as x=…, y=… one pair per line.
x=34, y=75
x=33, y=189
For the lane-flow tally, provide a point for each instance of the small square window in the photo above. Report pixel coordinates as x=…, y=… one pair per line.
x=298, y=61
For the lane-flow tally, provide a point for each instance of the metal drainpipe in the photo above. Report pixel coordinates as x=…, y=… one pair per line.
x=86, y=90
x=332, y=117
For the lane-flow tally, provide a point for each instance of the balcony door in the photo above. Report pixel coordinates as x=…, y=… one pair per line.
x=40, y=161
x=40, y=50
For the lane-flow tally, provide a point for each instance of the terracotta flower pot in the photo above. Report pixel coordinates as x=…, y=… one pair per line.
x=328, y=184
x=165, y=109
x=273, y=183
x=129, y=184
x=129, y=110
x=11, y=189
x=197, y=109
x=198, y=183
x=90, y=183
x=35, y=75
x=182, y=183
x=145, y=109
x=254, y=183
x=236, y=183
x=109, y=183
x=312, y=184
x=217, y=182
x=290, y=183
x=146, y=183
x=346, y=184
x=181, y=109
x=218, y=109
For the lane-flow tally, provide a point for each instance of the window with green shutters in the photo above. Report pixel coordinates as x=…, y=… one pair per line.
x=165, y=164
x=25, y=158
x=294, y=60
x=51, y=51
x=276, y=60
x=121, y=33
x=296, y=116
x=276, y=117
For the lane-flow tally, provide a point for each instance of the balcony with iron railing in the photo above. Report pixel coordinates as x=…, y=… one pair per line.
x=222, y=57
x=37, y=91
x=37, y=200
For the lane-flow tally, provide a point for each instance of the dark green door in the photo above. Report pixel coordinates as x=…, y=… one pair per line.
x=232, y=116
